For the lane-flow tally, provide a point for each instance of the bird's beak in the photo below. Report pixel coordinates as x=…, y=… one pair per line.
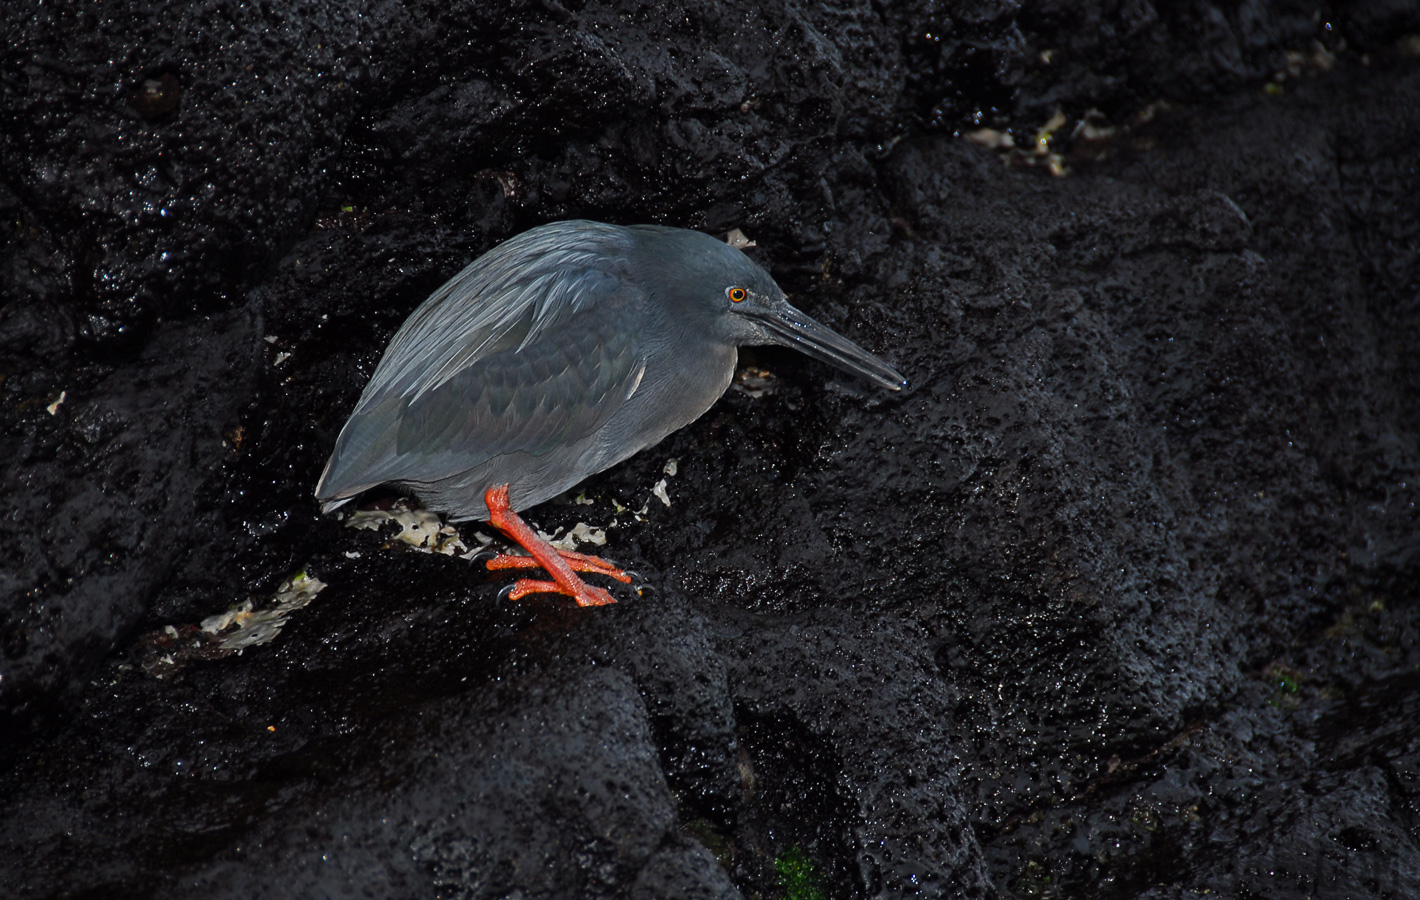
x=791, y=328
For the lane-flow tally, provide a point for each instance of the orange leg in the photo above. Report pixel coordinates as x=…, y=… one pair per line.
x=558, y=563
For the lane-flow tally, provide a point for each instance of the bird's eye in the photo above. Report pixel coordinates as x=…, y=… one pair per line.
x=736, y=294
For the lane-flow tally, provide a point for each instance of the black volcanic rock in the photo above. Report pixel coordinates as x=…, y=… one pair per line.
x=1117, y=599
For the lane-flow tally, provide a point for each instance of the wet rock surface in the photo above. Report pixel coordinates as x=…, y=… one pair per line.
x=1116, y=600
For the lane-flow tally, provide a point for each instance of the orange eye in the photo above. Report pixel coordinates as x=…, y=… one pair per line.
x=736, y=294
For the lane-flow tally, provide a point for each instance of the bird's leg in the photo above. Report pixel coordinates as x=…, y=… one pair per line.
x=545, y=556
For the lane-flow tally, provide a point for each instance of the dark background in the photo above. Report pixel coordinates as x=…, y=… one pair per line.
x=1117, y=600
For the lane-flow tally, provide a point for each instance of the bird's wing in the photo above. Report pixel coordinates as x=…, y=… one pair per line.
x=527, y=286
x=500, y=360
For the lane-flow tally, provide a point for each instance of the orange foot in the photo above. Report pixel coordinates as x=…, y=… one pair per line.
x=560, y=564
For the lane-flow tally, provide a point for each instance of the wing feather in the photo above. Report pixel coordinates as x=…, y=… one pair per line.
x=527, y=285
x=530, y=348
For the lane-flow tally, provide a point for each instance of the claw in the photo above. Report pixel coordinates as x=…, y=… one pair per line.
x=480, y=554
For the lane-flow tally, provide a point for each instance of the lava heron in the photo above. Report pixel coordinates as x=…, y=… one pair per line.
x=553, y=356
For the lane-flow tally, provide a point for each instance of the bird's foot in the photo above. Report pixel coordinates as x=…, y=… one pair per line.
x=577, y=562
x=588, y=595
x=558, y=563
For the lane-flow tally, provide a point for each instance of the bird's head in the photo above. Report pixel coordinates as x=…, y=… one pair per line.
x=719, y=289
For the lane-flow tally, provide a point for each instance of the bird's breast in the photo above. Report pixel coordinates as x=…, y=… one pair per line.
x=672, y=391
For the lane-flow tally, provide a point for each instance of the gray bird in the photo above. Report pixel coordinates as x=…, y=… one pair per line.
x=555, y=355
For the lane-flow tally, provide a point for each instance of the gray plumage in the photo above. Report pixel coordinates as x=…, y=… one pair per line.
x=558, y=354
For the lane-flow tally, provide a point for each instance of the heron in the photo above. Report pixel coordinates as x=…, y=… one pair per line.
x=556, y=355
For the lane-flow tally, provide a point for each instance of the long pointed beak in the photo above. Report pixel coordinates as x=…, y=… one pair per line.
x=791, y=328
